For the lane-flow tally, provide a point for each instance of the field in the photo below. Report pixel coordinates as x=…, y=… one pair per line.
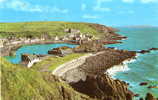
x=37, y=29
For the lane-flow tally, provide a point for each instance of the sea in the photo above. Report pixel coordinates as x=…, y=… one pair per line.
x=41, y=49
x=143, y=69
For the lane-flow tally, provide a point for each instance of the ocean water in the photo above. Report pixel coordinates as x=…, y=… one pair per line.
x=34, y=49
x=145, y=68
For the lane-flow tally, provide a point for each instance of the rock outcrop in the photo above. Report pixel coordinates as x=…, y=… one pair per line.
x=143, y=83
x=108, y=33
x=149, y=96
x=103, y=87
x=92, y=46
x=94, y=83
x=147, y=51
x=105, y=60
x=61, y=51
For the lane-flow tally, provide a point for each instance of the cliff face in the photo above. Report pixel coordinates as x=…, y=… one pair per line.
x=108, y=33
x=149, y=96
x=92, y=80
x=105, y=60
x=104, y=88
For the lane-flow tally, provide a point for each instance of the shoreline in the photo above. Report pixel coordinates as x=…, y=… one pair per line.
x=123, y=67
x=10, y=50
x=94, y=67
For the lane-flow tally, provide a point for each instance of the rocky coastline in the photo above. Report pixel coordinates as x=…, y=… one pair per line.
x=91, y=77
x=94, y=79
x=9, y=50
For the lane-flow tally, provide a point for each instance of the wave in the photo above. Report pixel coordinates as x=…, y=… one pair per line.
x=123, y=67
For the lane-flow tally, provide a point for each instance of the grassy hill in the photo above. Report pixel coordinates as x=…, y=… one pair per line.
x=36, y=29
x=19, y=83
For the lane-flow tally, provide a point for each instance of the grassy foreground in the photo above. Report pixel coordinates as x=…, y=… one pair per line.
x=51, y=63
x=36, y=29
x=19, y=83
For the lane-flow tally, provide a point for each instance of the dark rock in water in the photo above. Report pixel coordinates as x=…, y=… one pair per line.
x=111, y=42
x=152, y=87
x=147, y=51
x=60, y=51
x=144, y=51
x=149, y=96
x=153, y=49
x=141, y=99
x=103, y=87
x=55, y=51
x=143, y=83
x=136, y=95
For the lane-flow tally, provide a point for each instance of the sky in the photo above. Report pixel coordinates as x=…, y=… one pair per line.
x=107, y=12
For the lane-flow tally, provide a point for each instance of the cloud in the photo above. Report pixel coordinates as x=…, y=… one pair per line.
x=149, y=1
x=23, y=6
x=1, y=1
x=88, y=16
x=83, y=6
x=128, y=1
x=20, y=5
x=102, y=9
x=98, y=6
x=58, y=10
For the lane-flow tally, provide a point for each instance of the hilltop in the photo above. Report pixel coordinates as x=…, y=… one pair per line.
x=38, y=28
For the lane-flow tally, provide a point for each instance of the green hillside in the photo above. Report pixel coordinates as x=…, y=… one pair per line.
x=51, y=63
x=36, y=29
x=19, y=83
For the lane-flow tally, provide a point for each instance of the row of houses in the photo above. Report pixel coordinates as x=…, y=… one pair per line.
x=71, y=35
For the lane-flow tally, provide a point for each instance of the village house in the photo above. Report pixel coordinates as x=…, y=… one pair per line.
x=76, y=35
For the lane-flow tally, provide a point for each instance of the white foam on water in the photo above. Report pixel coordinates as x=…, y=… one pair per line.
x=123, y=67
x=117, y=68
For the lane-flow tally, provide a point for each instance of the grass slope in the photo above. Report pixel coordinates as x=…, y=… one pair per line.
x=36, y=29
x=19, y=83
x=51, y=63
